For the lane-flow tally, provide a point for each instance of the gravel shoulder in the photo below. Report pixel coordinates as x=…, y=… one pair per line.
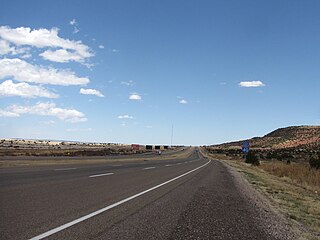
x=274, y=223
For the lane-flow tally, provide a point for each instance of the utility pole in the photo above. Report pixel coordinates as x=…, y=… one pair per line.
x=171, y=135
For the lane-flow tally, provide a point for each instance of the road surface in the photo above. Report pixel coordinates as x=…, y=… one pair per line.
x=189, y=198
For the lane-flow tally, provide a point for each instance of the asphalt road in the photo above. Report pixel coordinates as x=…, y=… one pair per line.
x=192, y=198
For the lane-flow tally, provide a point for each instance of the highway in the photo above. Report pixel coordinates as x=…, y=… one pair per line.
x=180, y=198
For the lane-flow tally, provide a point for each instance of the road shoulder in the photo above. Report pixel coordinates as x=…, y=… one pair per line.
x=278, y=200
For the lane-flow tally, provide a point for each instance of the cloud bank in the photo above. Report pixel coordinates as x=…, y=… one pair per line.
x=9, y=89
x=44, y=38
x=44, y=109
x=23, y=71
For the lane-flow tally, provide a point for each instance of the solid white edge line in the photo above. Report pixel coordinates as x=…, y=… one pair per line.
x=69, y=224
x=100, y=175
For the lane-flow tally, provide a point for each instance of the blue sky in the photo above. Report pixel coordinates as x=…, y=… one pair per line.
x=126, y=71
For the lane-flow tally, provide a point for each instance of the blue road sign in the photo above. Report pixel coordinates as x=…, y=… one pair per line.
x=245, y=147
x=245, y=150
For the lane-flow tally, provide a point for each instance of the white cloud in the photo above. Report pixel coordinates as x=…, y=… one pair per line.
x=135, y=96
x=101, y=46
x=21, y=50
x=125, y=117
x=128, y=83
x=183, y=101
x=115, y=50
x=9, y=88
x=44, y=38
x=88, y=65
x=5, y=47
x=22, y=71
x=61, y=55
x=25, y=56
x=4, y=113
x=73, y=22
x=76, y=30
x=251, y=84
x=91, y=92
x=44, y=109
x=149, y=126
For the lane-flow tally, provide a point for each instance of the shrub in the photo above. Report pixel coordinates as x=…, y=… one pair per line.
x=269, y=155
x=284, y=156
x=252, y=158
x=314, y=162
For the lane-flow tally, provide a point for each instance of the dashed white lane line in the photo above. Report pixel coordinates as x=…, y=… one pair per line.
x=64, y=169
x=168, y=165
x=81, y=219
x=147, y=168
x=100, y=175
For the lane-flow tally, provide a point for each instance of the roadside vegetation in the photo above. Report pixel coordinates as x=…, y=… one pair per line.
x=301, y=174
x=315, y=162
x=252, y=159
x=292, y=187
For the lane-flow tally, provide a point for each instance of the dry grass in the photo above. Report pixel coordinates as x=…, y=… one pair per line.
x=297, y=172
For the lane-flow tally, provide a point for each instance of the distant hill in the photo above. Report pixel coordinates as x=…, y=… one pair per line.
x=295, y=137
